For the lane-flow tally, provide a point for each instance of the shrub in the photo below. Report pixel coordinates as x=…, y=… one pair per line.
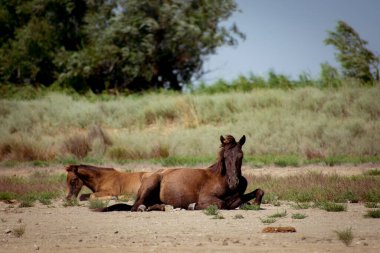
x=298, y=216
x=332, y=207
x=211, y=210
x=77, y=145
x=268, y=220
x=278, y=214
x=19, y=231
x=345, y=235
x=373, y=214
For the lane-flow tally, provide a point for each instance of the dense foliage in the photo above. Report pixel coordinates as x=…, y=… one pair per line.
x=356, y=60
x=114, y=44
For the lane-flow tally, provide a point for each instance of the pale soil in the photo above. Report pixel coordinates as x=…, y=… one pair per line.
x=77, y=229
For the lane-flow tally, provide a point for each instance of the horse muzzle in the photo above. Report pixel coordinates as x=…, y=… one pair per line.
x=233, y=182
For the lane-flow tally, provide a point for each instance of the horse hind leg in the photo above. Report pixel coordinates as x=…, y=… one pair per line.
x=148, y=194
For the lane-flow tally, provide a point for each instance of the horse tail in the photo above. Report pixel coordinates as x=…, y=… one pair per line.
x=116, y=207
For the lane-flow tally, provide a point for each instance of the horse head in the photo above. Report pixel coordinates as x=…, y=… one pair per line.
x=231, y=158
x=73, y=182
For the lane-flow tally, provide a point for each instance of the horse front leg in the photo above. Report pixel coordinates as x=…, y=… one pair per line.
x=238, y=198
x=205, y=202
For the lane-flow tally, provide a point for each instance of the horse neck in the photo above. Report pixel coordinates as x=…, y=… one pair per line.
x=217, y=167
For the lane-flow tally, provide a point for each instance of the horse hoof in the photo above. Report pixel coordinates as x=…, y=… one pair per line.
x=191, y=206
x=141, y=208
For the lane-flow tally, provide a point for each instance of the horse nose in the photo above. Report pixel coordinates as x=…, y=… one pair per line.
x=233, y=182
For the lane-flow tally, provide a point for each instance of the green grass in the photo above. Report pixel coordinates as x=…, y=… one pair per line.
x=345, y=235
x=371, y=205
x=250, y=207
x=373, y=214
x=298, y=216
x=332, y=207
x=278, y=214
x=72, y=202
x=317, y=187
x=97, y=203
x=375, y=172
x=211, y=210
x=268, y=220
x=38, y=186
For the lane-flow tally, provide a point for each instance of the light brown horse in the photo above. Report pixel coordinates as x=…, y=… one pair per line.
x=103, y=182
x=221, y=184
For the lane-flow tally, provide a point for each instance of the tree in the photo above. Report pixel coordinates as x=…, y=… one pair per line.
x=34, y=31
x=356, y=60
x=143, y=44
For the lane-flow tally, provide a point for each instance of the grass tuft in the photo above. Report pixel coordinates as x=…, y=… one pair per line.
x=332, y=207
x=278, y=214
x=268, y=220
x=298, y=216
x=19, y=231
x=250, y=207
x=211, y=210
x=373, y=214
x=97, y=204
x=345, y=235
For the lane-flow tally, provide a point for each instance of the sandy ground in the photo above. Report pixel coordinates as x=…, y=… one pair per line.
x=56, y=228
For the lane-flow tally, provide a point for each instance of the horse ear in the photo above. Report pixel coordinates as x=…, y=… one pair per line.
x=242, y=140
x=222, y=139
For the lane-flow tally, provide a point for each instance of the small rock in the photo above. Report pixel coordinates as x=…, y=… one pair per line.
x=116, y=232
x=169, y=208
x=8, y=231
x=36, y=247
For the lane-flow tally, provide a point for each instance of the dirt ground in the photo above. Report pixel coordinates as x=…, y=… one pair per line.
x=59, y=229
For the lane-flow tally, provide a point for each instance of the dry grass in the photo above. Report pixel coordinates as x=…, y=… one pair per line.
x=307, y=122
x=319, y=187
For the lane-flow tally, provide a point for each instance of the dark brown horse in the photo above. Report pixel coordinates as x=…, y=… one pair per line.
x=221, y=184
x=103, y=182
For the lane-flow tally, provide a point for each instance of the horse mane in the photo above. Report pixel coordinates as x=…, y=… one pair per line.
x=228, y=143
x=73, y=167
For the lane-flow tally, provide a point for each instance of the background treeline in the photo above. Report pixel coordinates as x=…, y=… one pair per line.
x=137, y=45
x=128, y=45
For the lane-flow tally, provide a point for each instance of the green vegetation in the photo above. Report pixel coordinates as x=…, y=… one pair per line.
x=211, y=210
x=371, y=205
x=278, y=214
x=38, y=186
x=283, y=127
x=249, y=207
x=298, y=216
x=97, y=203
x=238, y=216
x=375, y=172
x=268, y=220
x=373, y=213
x=81, y=44
x=332, y=207
x=317, y=187
x=345, y=235
x=356, y=60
